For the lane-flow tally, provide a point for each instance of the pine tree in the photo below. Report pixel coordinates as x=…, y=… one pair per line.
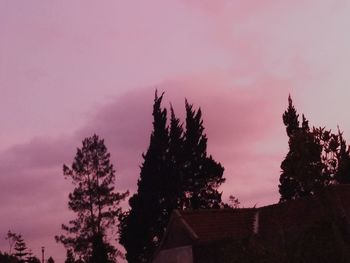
x=69, y=256
x=141, y=228
x=51, y=260
x=100, y=250
x=202, y=174
x=93, y=200
x=20, y=248
x=302, y=169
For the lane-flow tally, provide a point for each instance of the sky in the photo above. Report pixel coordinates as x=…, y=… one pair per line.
x=69, y=69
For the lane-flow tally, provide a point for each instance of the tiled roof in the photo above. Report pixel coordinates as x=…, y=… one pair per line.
x=219, y=224
x=285, y=228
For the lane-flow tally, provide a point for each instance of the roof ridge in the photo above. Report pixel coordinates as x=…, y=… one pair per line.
x=220, y=210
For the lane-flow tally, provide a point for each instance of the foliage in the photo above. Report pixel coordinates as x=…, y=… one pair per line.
x=50, y=260
x=342, y=174
x=316, y=158
x=8, y=258
x=93, y=200
x=69, y=256
x=202, y=175
x=32, y=259
x=302, y=167
x=22, y=253
x=20, y=248
x=140, y=227
x=172, y=180
x=176, y=173
x=233, y=202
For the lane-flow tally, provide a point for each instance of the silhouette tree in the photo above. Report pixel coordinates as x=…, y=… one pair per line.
x=316, y=158
x=175, y=174
x=330, y=147
x=31, y=258
x=51, y=260
x=141, y=227
x=342, y=175
x=202, y=174
x=69, y=256
x=233, y=202
x=20, y=248
x=93, y=200
x=291, y=118
x=100, y=250
x=12, y=238
x=172, y=180
x=304, y=172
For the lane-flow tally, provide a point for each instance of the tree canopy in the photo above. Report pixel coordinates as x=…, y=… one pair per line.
x=20, y=248
x=316, y=158
x=176, y=173
x=94, y=201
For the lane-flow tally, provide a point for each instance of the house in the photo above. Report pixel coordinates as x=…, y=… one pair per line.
x=310, y=229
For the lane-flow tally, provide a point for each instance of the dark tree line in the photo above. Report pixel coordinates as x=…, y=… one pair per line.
x=316, y=158
x=176, y=173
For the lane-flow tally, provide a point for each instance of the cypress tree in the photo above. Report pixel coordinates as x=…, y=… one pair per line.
x=302, y=167
x=173, y=179
x=142, y=227
x=202, y=174
x=291, y=118
x=176, y=173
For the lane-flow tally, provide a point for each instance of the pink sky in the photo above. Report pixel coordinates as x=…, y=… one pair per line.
x=72, y=68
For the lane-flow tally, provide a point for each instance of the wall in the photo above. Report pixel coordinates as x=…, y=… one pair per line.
x=175, y=255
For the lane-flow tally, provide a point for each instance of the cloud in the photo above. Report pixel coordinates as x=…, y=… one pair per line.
x=237, y=60
x=237, y=120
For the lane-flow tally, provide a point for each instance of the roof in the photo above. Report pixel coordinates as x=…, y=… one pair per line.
x=281, y=227
x=219, y=224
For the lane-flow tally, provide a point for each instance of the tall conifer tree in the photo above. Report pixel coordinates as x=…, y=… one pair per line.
x=302, y=168
x=141, y=228
x=202, y=174
x=176, y=173
x=173, y=179
x=94, y=201
x=20, y=248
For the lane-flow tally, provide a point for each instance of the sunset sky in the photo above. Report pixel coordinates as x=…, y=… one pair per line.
x=69, y=69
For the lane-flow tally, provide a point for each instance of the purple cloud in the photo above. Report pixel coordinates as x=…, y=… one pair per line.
x=34, y=193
